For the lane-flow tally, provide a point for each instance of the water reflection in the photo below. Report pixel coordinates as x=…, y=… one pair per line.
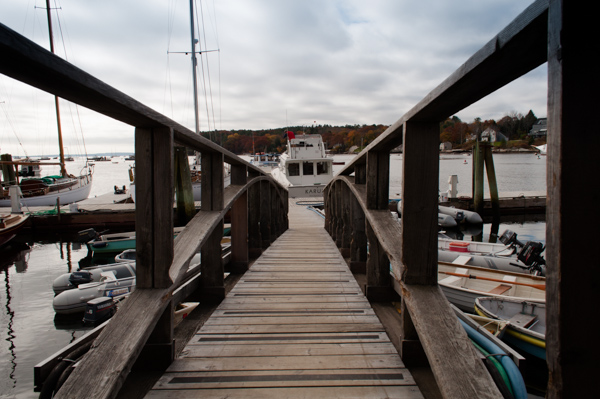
x=9, y=331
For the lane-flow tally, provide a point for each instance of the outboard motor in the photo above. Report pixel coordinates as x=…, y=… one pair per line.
x=528, y=253
x=86, y=235
x=80, y=277
x=98, y=310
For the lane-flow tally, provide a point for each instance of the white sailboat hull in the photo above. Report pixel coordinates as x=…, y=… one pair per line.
x=65, y=196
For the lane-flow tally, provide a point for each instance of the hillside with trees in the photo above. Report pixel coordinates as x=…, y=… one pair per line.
x=342, y=139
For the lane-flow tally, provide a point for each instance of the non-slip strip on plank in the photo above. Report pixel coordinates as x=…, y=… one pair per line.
x=293, y=312
x=286, y=377
x=289, y=338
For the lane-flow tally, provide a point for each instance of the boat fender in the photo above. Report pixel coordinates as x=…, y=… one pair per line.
x=99, y=244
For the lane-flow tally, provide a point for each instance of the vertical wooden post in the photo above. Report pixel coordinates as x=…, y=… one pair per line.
x=213, y=288
x=154, y=206
x=346, y=222
x=360, y=174
x=239, y=223
x=378, y=270
x=339, y=213
x=478, y=161
x=154, y=229
x=491, y=176
x=265, y=214
x=358, y=246
x=8, y=171
x=183, y=187
x=420, y=185
x=378, y=179
x=254, y=236
x=572, y=202
x=212, y=181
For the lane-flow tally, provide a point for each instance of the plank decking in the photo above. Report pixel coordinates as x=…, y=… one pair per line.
x=296, y=325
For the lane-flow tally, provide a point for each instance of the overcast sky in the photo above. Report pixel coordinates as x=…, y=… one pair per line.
x=280, y=62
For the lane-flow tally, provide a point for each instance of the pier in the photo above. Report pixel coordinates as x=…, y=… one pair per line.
x=296, y=324
x=265, y=233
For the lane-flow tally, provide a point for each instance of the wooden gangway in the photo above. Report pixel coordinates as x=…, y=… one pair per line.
x=296, y=325
x=551, y=32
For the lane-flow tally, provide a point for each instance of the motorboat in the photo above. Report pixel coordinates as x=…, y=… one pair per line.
x=526, y=321
x=111, y=243
x=510, y=255
x=75, y=300
x=463, y=284
x=304, y=168
x=70, y=281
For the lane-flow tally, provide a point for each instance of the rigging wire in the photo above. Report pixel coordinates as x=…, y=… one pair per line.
x=12, y=127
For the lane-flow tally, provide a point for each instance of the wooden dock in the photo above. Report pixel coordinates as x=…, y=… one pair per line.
x=296, y=325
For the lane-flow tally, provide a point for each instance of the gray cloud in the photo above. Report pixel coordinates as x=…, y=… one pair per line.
x=334, y=62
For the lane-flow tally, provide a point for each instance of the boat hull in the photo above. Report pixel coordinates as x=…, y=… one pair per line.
x=10, y=225
x=526, y=322
x=64, y=196
x=463, y=291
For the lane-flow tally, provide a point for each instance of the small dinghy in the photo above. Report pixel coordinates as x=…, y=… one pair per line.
x=75, y=300
x=463, y=284
x=512, y=255
x=69, y=281
x=526, y=321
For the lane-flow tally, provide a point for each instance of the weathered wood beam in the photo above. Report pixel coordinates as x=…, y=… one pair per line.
x=117, y=347
x=572, y=202
x=458, y=370
x=378, y=179
x=212, y=181
x=154, y=210
x=239, y=234
x=420, y=185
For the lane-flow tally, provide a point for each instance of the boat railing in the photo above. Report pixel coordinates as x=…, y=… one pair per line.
x=359, y=221
x=256, y=204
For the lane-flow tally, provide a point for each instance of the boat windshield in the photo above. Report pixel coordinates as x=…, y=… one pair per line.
x=322, y=168
x=293, y=169
x=307, y=168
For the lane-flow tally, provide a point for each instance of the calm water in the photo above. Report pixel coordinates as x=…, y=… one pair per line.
x=27, y=324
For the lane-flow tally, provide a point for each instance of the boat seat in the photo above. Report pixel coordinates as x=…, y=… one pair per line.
x=523, y=320
x=501, y=289
x=450, y=280
x=461, y=260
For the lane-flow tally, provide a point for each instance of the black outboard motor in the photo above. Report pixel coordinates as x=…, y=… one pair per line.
x=80, y=277
x=98, y=310
x=528, y=253
x=86, y=235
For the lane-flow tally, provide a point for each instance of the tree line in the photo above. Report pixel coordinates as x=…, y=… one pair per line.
x=342, y=139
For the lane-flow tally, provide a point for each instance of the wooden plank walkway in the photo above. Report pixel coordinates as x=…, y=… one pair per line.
x=296, y=325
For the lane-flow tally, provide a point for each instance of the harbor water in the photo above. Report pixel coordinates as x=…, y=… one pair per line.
x=31, y=333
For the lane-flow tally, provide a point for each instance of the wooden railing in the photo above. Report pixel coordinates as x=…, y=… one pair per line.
x=257, y=207
x=356, y=208
x=356, y=203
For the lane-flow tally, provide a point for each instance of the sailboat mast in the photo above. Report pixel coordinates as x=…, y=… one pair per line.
x=63, y=171
x=194, y=63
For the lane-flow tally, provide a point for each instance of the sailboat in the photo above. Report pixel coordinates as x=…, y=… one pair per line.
x=48, y=190
x=195, y=167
